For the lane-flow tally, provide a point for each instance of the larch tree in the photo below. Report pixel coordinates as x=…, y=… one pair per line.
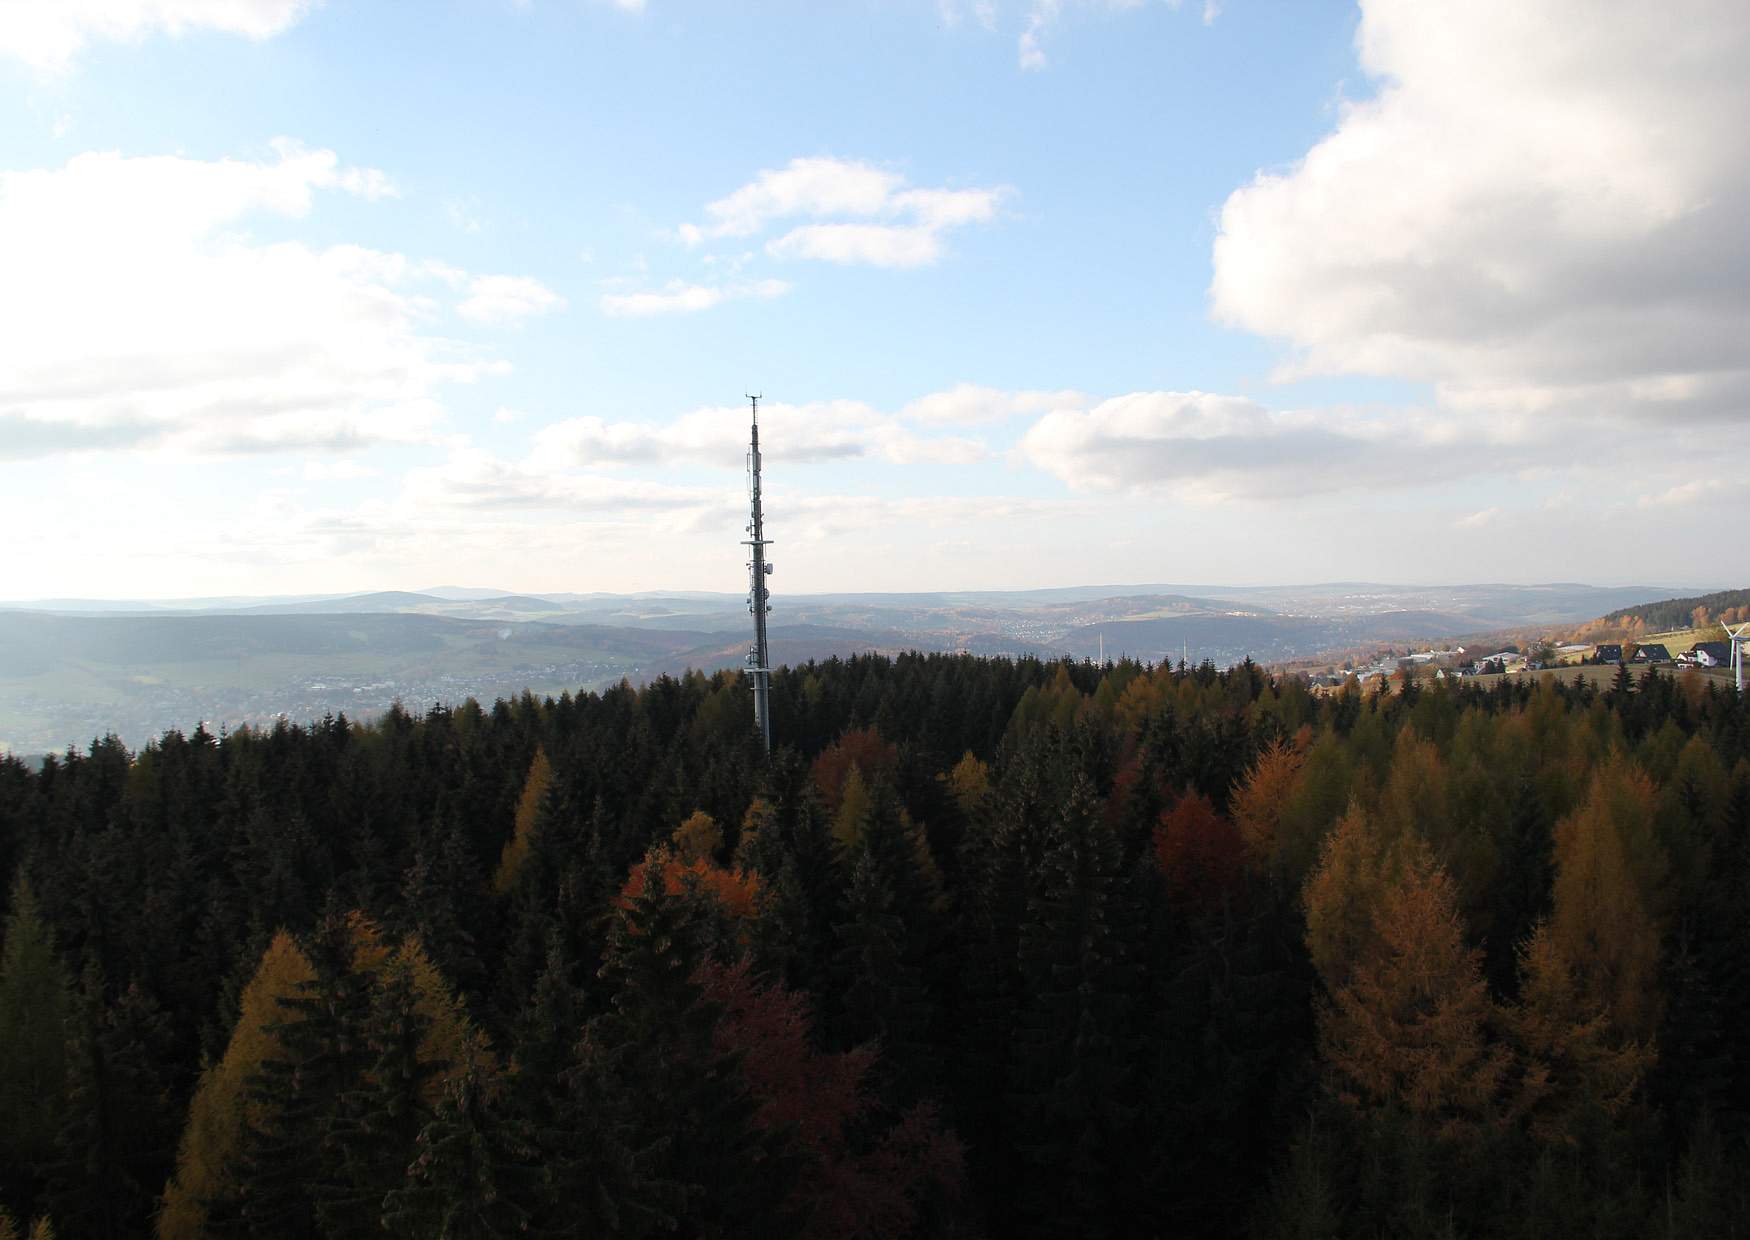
x=968, y=784
x=1344, y=893
x=528, y=814
x=1609, y=891
x=1570, y=1060
x=1258, y=801
x=219, y=1113
x=1409, y=1026
x=699, y=838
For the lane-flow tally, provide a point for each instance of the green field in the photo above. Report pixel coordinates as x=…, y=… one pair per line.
x=1602, y=674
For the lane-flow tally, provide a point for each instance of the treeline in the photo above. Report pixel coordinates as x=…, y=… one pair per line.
x=1731, y=606
x=986, y=948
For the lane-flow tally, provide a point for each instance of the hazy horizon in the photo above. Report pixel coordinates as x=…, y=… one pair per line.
x=485, y=592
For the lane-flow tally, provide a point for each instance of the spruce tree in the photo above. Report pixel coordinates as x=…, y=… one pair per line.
x=117, y=1133
x=35, y=1001
x=1072, y=1063
x=288, y=1160
x=475, y=1173
x=370, y=1141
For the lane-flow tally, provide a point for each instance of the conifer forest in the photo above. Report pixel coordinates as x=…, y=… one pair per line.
x=985, y=948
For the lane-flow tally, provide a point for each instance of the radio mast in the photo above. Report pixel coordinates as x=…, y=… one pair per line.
x=759, y=666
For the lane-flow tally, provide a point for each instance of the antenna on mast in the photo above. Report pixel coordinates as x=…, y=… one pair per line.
x=759, y=667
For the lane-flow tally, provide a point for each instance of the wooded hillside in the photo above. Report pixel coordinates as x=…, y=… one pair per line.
x=987, y=948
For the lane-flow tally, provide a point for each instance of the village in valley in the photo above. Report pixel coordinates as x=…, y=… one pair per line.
x=1690, y=650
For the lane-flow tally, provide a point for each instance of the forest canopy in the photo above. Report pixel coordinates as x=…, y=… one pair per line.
x=984, y=948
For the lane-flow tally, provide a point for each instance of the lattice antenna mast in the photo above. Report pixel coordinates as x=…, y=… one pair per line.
x=759, y=666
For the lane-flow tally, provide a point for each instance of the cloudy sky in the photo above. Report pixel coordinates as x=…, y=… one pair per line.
x=302, y=296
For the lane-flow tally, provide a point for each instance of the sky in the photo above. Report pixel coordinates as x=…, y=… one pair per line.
x=306, y=297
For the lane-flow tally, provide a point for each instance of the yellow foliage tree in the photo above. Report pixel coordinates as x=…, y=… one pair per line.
x=760, y=815
x=847, y=824
x=968, y=783
x=1609, y=895
x=528, y=813
x=1140, y=701
x=699, y=838
x=1570, y=1061
x=1414, y=800
x=42, y=1229
x=219, y=1109
x=1410, y=1025
x=1343, y=895
x=452, y=1039
x=1319, y=795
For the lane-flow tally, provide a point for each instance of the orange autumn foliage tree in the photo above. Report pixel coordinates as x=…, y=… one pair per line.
x=861, y=749
x=1259, y=800
x=737, y=891
x=857, y=1177
x=1571, y=1060
x=1410, y=1025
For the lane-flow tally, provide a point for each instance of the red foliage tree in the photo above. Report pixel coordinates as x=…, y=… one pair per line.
x=1200, y=852
x=849, y=1186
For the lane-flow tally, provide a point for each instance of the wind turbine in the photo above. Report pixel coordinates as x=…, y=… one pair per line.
x=1737, y=636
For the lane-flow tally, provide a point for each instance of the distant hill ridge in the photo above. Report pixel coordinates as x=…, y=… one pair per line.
x=1731, y=606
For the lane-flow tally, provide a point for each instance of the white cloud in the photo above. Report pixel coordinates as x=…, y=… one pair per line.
x=1208, y=447
x=343, y=470
x=873, y=218
x=817, y=432
x=1541, y=210
x=1045, y=13
x=472, y=479
x=1683, y=494
x=138, y=311
x=1478, y=519
x=875, y=245
x=967, y=404
x=1029, y=53
x=47, y=34
x=818, y=187
x=678, y=297
x=507, y=299
x=462, y=215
